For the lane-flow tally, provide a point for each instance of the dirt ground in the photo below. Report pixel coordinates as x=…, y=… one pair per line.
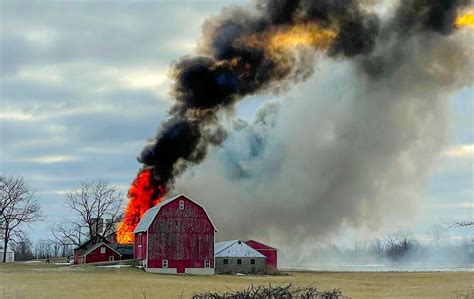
x=39, y=280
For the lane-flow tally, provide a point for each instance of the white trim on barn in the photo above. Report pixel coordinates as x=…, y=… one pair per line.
x=162, y=270
x=195, y=271
x=145, y=263
x=150, y=215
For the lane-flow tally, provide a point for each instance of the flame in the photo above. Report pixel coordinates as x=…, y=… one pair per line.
x=305, y=35
x=143, y=194
x=288, y=38
x=466, y=20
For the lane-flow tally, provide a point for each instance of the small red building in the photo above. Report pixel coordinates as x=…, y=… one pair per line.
x=176, y=236
x=100, y=252
x=269, y=252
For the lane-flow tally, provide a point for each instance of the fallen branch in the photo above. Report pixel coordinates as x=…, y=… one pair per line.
x=272, y=292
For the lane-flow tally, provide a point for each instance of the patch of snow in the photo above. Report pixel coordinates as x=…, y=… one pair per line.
x=115, y=266
x=29, y=262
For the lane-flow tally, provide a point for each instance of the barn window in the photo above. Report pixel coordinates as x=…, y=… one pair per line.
x=139, y=240
x=111, y=258
x=102, y=249
x=181, y=205
x=239, y=262
x=226, y=261
x=207, y=264
x=164, y=264
x=252, y=261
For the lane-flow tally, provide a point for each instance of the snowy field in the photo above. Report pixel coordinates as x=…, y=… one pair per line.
x=40, y=280
x=384, y=268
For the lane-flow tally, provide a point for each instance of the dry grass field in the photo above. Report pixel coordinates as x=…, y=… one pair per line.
x=39, y=280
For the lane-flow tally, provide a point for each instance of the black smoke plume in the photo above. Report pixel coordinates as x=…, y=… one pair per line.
x=228, y=68
x=428, y=16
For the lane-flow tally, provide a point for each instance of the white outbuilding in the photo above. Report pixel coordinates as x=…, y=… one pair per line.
x=10, y=256
x=237, y=257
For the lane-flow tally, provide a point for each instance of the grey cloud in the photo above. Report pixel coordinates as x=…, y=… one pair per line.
x=119, y=34
x=63, y=66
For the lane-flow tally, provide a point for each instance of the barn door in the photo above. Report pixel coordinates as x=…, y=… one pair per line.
x=180, y=266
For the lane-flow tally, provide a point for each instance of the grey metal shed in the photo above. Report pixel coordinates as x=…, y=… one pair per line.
x=237, y=257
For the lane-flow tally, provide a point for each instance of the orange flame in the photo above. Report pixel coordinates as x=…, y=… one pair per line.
x=143, y=194
x=287, y=38
x=466, y=20
x=305, y=35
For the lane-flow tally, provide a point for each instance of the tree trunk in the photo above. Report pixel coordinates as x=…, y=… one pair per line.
x=5, y=243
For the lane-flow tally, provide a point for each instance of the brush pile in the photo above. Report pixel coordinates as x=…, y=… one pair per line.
x=273, y=292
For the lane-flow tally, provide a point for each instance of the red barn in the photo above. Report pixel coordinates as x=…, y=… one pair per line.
x=100, y=252
x=269, y=252
x=176, y=236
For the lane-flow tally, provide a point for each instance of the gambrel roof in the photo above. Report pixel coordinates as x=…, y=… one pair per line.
x=150, y=215
x=97, y=246
x=235, y=248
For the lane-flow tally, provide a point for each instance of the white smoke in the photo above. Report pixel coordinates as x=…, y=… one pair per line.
x=343, y=149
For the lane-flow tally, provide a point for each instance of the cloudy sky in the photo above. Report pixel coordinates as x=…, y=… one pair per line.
x=84, y=84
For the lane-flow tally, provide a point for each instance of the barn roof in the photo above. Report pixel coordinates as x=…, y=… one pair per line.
x=235, y=248
x=90, y=242
x=97, y=246
x=259, y=246
x=150, y=215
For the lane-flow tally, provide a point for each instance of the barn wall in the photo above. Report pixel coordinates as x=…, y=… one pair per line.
x=77, y=253
x=183, y=237
x=245, y=267
x=271, y=257
x=96, y=256
x=270, y=253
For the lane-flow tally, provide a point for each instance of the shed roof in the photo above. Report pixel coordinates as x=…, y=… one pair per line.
x=150, y=215
x=97, y=246
x=235, y=248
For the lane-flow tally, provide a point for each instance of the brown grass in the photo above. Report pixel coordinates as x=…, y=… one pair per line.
x=38, y=280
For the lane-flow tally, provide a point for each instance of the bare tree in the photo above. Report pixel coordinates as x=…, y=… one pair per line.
x=23, y=248
x=42, y=248
x=438, y=233
x=66, y=233
x=464, y=223
x=377, y=247
x=398, y=245
x=18, y=207
x=96, y=208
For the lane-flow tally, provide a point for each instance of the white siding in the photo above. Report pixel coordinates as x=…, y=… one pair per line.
x=10, y=258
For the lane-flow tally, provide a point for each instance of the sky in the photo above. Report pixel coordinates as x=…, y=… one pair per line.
x=84, y=84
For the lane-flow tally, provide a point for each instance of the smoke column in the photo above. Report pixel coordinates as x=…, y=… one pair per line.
x=246, y=52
